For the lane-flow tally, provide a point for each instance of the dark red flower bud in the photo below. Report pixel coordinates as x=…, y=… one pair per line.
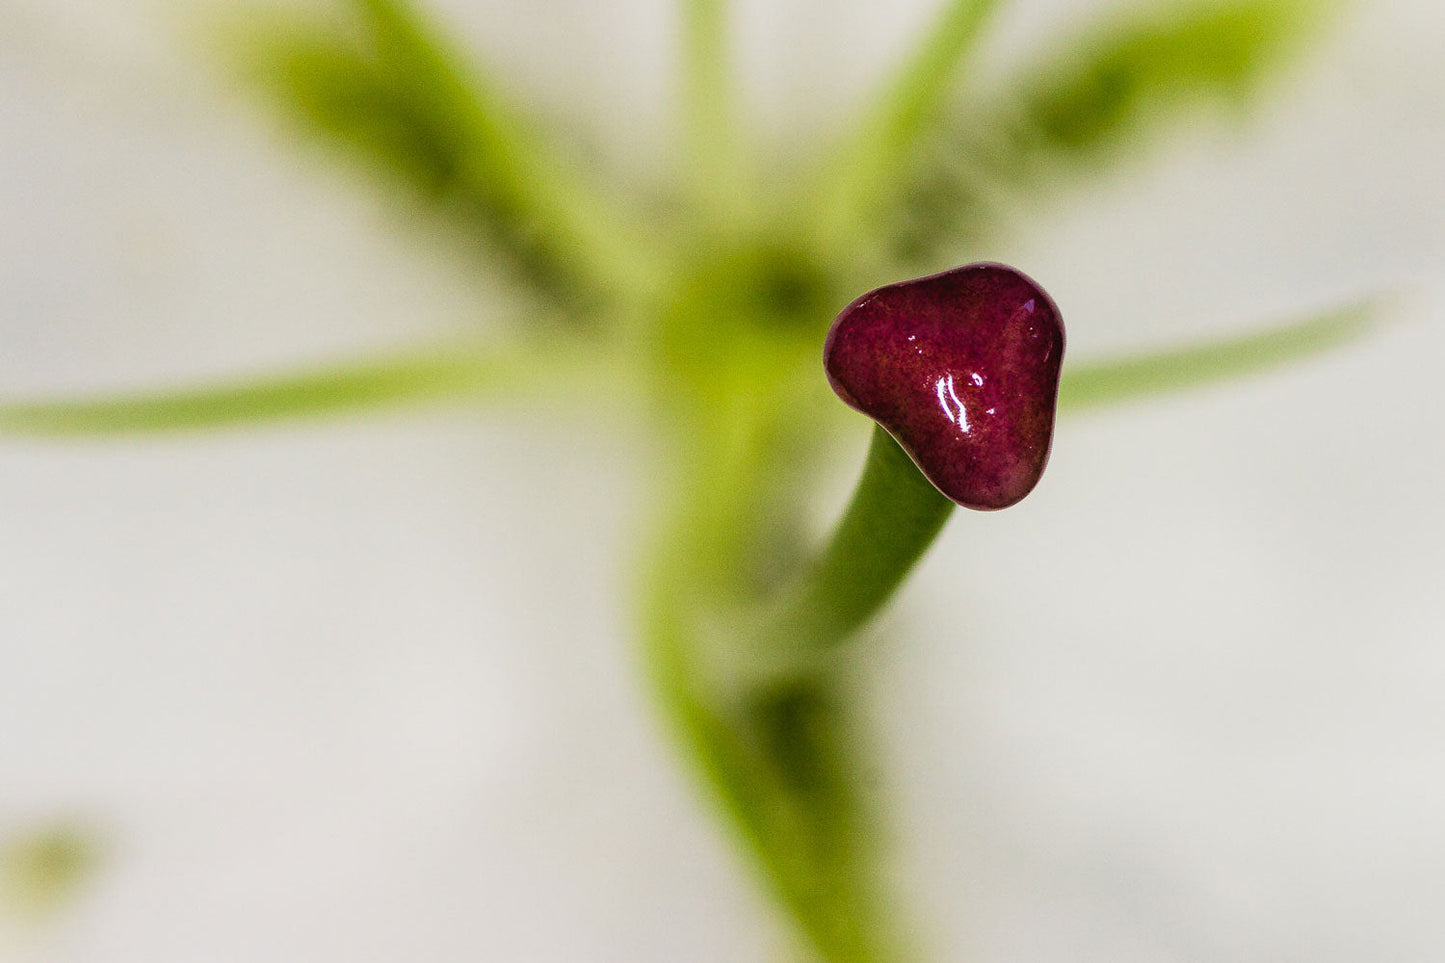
x=962, y=368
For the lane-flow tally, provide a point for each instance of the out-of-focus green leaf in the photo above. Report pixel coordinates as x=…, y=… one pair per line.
x=1137, y=71
x=1094, y=99
x=384, y=85
x=867, y=172
x=1099, y=383
x=453, y=373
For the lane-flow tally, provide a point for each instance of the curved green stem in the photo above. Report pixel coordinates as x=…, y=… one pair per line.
x=764, y=711
x=893, y=518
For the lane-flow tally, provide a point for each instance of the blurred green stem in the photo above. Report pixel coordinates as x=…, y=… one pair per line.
x=452, y=372
x=713, y=152
x=578, y=367
x=387, y=84
x=871, y=165
x=514, y=163
x=1147, y=374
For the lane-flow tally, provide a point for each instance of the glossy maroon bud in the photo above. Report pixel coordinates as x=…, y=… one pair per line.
x=962, y=368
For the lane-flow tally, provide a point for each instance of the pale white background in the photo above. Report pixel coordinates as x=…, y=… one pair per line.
x=364, y=691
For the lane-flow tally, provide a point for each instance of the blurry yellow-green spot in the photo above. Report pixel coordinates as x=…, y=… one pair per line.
x=42, y=871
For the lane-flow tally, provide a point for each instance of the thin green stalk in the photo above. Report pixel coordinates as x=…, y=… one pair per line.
x=393, y=90
x=1111, y=382
x=509, y=159
x=1096, y=100
x=780, y=749
x=783, y=754
x=869, y=170
x=893, y=517
x=712, y=156
x=782, y=764
x=612, y=249
x=445, y=374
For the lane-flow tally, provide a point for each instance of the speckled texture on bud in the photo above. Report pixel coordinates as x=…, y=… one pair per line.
x=962, y=368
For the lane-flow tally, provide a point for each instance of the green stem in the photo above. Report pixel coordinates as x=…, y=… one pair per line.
x=450, y=372
x=903, y=117
x=712, y=137
x=893, y=518
x=408, y=97
x=1146, y=374
x=781, y=751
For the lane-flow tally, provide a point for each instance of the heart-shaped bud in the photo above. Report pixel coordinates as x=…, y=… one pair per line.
x=962, y=368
